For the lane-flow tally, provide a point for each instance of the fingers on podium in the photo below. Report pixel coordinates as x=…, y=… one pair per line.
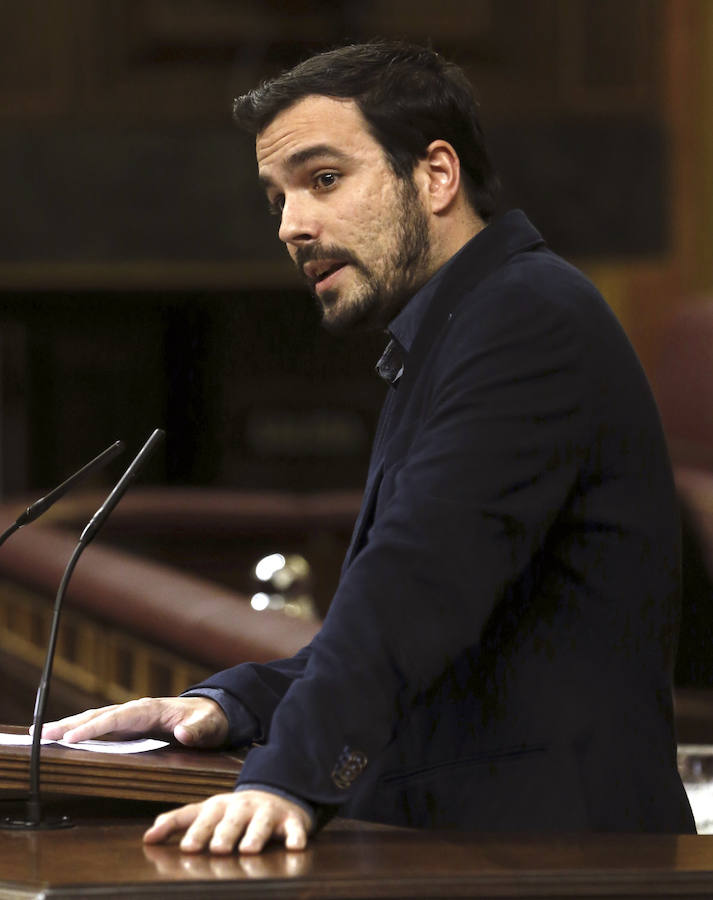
x=85, y=720
x=248, y=819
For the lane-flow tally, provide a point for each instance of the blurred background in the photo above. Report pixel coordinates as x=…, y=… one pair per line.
x=142, y=285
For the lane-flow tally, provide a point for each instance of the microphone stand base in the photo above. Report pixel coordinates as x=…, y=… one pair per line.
x=14, y=816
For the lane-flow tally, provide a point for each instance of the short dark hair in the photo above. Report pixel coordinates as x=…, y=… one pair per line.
x=409, y=97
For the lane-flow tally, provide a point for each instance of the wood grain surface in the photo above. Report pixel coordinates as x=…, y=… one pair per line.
x=103, y=856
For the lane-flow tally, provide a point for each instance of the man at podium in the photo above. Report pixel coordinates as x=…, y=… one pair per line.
x=498, y=653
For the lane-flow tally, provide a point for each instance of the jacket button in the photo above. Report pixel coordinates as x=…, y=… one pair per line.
x=350, y=765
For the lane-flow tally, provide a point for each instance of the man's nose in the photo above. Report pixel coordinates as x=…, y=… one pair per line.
x=298, y=223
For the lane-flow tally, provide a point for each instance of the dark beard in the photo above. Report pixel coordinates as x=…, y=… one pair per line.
x=381, y=298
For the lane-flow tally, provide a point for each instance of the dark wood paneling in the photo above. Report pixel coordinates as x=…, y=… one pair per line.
x=116, y=146
x=120, y=172
x=251, y=391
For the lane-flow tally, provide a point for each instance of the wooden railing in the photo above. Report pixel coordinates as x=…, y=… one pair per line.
x=135, y=627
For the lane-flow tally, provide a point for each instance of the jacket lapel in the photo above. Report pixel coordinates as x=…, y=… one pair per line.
x=486, y=252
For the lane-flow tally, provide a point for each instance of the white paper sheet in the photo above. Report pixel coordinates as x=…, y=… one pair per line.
x=138, y=746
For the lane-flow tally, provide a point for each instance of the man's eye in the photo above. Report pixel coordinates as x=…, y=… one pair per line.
x=276, y=205
x=326, y=179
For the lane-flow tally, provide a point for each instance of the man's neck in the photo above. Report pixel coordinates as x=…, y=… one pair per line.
x=461, y=226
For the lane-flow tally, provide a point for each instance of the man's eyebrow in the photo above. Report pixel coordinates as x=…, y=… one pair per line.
x=305, y=155
x=300, y=157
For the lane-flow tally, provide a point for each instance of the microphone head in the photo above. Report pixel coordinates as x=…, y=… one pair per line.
x=44, y=503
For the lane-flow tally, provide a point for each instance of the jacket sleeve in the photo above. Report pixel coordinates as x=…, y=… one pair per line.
x=249, y=693
x=465, y=501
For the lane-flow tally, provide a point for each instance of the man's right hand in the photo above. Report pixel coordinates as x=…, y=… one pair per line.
x=193, y=721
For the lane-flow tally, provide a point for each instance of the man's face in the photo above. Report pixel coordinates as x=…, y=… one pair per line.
x=357, y=233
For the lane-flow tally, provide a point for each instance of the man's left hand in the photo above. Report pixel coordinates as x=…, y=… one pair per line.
x=250, y=817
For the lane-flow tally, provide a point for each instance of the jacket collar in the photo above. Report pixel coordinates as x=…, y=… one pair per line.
x=508, y=235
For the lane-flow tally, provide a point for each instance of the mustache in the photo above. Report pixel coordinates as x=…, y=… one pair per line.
x=314, y=252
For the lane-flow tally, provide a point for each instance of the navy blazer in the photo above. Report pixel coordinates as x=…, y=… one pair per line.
x=498, y=652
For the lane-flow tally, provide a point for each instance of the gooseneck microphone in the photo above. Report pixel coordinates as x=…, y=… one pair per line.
x=34, y=817
x=105, y=510
x=43, y=504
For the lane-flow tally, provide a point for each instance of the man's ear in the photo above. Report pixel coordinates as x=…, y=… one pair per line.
x=440, y=170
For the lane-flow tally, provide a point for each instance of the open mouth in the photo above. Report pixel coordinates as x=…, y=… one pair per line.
x=322, y=269
x=328, y=272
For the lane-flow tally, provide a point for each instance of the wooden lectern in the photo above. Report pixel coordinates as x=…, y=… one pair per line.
x=112, y=799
